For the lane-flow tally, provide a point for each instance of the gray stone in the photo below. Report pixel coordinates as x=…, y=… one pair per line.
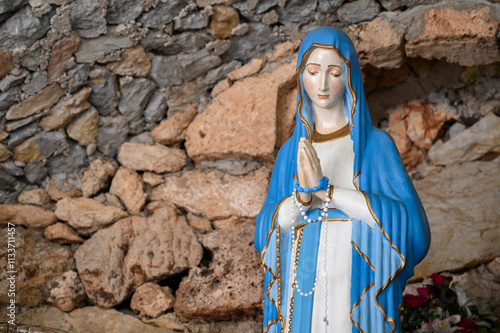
x=253, y=14
x=359, y=11
x=136, y=126
x=78, y=76
x=395, y=4
x=112, y=133
x=162, y=14
x=135, y=95
x=220, y=72
x=218, y=46
x=23, y=28
x=8, y=6
x=198, y=65
x=256, y=42
x=123, y=11
x=13, y=125
x=154, y=39
x=296, y=13
x=7, y=182
x=19, y=135
x=76, y=160
x=188, y=67
x=8, y=98
x=12, y=80
x=187, y=42
x=235, y=167
x=37, y=83
x=31, y=59
x=88, y=18
x=91, y=50
x=328, y=6
x=191, y=21
x=270, y=18
x=51, y=142
x=104, y=95
x=11, y=168
x=35, y=173
x=156, y=108
x=144, y=137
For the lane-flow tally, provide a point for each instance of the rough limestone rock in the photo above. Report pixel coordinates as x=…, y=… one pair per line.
x=66, y=291
x=465, y=36
x=38, y=262
x=37, y=103
x=152, y=178
x=223, y=21
x=152, y=300
x=241, y=120
x=379, y=43
x=134, y=251
x=87, y=215
x=60, y=58
x=414, y=126
x=62, y=233
x=91, y=50
x=28, y=151
x=172, y=130
x=231, y=285
x=35, y=196
x=129, y=187
x=84, y=127
x=65, y=110
x=253, y=67
x=23, y=28
x=97, y=176
x=134, y=61
x=461, y=203
x=215, y=195
x=146, y=157
x=6, y=61
x=92, y=319
x=359, y=10
x=58, y=189
x=33, y=217
x=469, y=145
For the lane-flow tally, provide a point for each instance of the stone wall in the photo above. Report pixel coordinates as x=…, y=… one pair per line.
x=137, y=140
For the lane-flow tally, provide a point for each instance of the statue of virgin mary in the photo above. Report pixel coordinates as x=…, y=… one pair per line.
x=342, y=226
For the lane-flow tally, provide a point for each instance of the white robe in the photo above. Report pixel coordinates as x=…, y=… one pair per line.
x=337, y=160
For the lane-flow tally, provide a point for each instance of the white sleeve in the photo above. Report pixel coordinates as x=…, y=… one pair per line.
x=289, y=214
x=352, y=203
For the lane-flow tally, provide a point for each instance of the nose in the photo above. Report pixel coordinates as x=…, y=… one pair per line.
x=323, y=84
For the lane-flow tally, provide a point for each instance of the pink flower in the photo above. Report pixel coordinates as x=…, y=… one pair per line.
x=414, y=301
x=439, y=279
x=441, y=326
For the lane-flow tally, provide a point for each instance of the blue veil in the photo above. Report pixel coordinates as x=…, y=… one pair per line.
x=382, y=258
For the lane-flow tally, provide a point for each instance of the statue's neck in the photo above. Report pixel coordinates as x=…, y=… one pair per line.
x=329, y=120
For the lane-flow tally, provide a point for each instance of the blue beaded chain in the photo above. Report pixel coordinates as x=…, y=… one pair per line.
x=323, y=185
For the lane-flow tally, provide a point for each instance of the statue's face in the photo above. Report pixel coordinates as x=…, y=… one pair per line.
x=323, y=78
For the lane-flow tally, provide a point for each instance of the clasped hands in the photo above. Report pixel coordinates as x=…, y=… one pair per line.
x=308, y=170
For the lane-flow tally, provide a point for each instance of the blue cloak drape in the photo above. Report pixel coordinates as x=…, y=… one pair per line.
x=382, y=258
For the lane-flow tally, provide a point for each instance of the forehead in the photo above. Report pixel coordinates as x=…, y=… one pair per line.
x=324, y=57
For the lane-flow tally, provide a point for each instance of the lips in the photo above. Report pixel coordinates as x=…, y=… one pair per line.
x=323, y=96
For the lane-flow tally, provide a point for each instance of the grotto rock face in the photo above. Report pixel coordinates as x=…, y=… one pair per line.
x=231, y=285
x=206, y=193
x=87, y=215
x=454, y=34
x=38, y=263
x=66, y=291
x=31, y=216
x=133, y=251
x=460, y=202
x=227, y=129
x=152, y=300
x=129, y=187
x=147, y=157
